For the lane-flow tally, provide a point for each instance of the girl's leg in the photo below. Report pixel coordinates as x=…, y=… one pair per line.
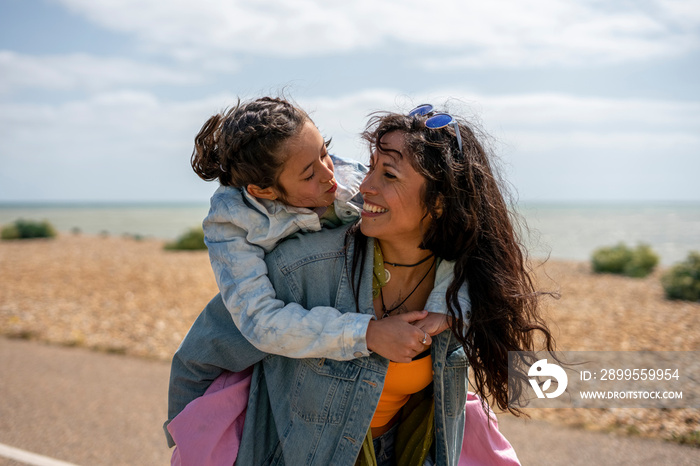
x=208, y=431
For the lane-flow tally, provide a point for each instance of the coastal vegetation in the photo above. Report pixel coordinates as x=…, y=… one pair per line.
x=25, y=229
x=623, y=260
x=682, y=281
x=191, y=240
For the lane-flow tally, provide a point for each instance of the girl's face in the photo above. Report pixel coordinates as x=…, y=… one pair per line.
x=307, y=174
x=393, y=195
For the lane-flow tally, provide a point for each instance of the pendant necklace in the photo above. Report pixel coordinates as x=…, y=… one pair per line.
x=386, y=312
x=381, y=275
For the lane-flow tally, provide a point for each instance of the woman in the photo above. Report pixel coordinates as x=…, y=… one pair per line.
x=430, y=195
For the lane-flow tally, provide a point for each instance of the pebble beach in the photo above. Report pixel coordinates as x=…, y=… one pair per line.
x=130, y=296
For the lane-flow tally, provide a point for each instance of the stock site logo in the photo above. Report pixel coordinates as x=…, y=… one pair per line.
x=543, y=369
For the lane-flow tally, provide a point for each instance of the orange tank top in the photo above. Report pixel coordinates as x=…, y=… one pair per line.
x=402, y=380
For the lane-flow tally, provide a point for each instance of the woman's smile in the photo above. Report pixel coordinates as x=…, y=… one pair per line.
x=372, y=210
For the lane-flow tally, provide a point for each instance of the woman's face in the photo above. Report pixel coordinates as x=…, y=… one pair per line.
x=307, y=174
x=393, y=194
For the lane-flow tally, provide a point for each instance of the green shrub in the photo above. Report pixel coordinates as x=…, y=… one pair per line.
x=682, y=281
x=191, y=240
x=611, y=259
x=620, y=259
x=24, y=229
x=643, y=262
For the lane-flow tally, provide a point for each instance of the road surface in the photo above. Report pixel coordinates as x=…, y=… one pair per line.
x=90, y=408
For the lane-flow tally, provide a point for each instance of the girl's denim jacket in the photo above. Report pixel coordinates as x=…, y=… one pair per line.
x=315, y=411
x=239, y=230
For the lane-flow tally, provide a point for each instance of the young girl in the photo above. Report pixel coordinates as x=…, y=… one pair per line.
x=277, y=178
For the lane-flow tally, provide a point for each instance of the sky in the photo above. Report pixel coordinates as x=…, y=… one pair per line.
x=582, y=100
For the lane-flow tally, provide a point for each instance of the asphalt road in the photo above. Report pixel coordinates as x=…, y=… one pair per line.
x=90, y=408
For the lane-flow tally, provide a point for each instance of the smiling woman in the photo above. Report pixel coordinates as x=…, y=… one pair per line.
x=445, y=183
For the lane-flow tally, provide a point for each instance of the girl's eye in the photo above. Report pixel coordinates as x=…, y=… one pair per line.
x=310, y=177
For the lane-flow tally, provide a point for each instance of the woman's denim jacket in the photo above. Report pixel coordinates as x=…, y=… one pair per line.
x=316, y=411
x=239, y=230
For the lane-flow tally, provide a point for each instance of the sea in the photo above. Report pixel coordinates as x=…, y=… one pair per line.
x=569, y=231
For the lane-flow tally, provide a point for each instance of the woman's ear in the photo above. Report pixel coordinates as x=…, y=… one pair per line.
x=261, y=193
x=438, y=205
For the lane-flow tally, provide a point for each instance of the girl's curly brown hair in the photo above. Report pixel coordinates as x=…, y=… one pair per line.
x=242, y=145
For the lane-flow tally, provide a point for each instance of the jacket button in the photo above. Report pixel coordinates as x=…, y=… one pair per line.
x=357, y=354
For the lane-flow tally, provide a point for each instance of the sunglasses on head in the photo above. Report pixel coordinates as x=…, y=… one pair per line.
x=437, y=121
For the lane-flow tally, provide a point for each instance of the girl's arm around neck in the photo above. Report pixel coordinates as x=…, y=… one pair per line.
x=242, y=276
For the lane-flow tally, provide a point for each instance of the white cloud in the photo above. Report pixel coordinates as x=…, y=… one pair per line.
x=555, y=110
x=81, y=71
x=133, y=145
x=126, y=145
x=464, y=34
x=344, y=117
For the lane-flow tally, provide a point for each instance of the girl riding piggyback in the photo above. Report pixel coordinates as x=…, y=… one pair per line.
x=277, y=178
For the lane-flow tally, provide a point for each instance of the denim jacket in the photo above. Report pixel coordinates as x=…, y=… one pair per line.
x=316, y=411
x=239, y=230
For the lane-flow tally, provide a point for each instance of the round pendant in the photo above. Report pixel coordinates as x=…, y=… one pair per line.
x=387, y=275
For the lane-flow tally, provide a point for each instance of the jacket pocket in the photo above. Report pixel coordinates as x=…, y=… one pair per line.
x=456, y=374
x=322, y=388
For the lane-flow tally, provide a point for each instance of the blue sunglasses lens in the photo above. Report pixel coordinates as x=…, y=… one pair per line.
x=421, y=110
x=438, y=121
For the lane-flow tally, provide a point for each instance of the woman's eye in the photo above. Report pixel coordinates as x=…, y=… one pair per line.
x=309, y=178
x=391, y=176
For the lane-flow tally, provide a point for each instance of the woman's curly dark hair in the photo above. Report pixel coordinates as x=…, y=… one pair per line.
x=473, y=226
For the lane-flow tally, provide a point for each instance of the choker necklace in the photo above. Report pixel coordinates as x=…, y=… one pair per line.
x=408, y=265
x=385, y=311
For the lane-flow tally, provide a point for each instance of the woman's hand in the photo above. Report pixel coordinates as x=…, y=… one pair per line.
x=397, y=338
x=434, y=323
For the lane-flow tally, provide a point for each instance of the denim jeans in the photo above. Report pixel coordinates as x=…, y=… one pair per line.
x=384, y=447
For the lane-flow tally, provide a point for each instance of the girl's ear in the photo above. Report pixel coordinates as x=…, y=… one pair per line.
x=266, y=193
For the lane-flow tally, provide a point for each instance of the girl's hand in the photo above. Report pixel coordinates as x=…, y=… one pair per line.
x=397, y=338
x=434, y=323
